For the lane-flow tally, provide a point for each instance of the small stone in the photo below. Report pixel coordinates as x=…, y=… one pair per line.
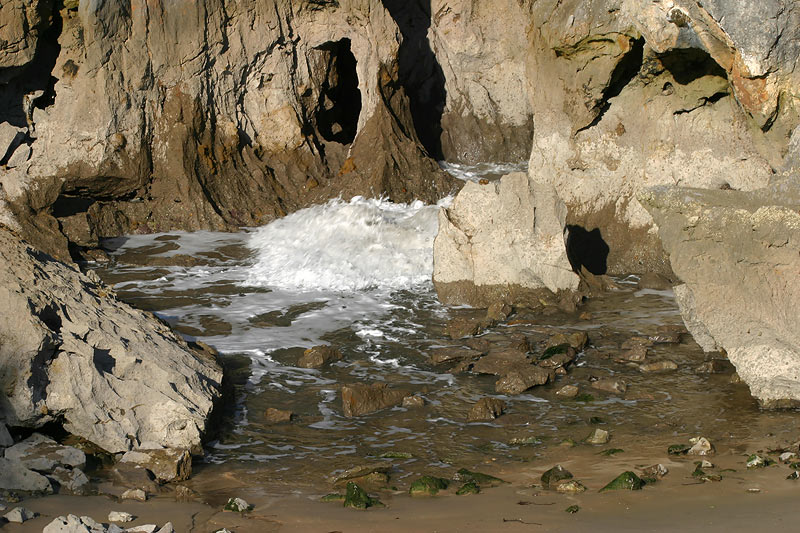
x=486, y=409
x=413, y=402
x=428, y=486
x=577, y=340
x=570, y=487
x=659, y=366
x=498, y=311
x=360, y=399
x=678, y=449
x=223, y=530
x=468, y=488
x=634, y=342
x=613, y=386
x=586, y=315
x=19, y=515
x=787, y=457
x=625, y=481
x=484, y=480
x=794, y=475
x=700, y=446
x=758, y=461
x=319, y=356
x=454, y=354
x=460, y=327
x=333, y=497
x=556, y=474
x=277, y=416
x=572, y=509
x=753, y=490
x=636, y=354
x=236, y=505
x=598, y=436
x=133, y=476
x=568, y=391
x=185, y=494
x=611, y=452
x=120, y=516
x=656, y=471
x=522, y=378
x=167, y=528
x=358, y=472
x=714, y=366
x=134, y=494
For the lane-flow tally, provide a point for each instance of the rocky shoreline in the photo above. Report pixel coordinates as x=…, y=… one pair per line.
x=663, y=140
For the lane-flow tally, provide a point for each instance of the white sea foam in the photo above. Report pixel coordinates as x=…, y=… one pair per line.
x=479, y=171
x=346, y=246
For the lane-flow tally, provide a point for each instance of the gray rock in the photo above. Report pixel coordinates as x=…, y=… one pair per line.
x=120, y=516
x=167, y=528
x=81, y=355
x=133, y=476
x=72, y=481
x=20, y=156
x=19, y=515
x=745, y=304
x=43, y=454
x=17, y=477
x=146, y=528
x=501, y=239
x=5, y=437
x=166, y=465
x=74, y=524
x=134, y=494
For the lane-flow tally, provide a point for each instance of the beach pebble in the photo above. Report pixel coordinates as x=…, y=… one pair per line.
x=787, y=456
x=119, y=516
x=568, y=391
x=613, y=386
x=134, y=494
x=598, y=436
x=700, y=446
x=656, y=471
x=19, y=515
x=237, y=505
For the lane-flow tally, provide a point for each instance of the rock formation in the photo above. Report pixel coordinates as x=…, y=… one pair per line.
x=738, y=255
x=502, y=240
x=70, y=352
x=141, y=117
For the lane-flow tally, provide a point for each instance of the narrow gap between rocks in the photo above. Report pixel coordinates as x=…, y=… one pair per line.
x=339, y=104
x=587, y=249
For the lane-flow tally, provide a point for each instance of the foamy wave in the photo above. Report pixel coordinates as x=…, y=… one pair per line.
x=347, y=246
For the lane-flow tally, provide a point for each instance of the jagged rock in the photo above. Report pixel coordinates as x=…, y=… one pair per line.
x=656, y=471
x=5, y=437
x=362, y=399
x=413, y=402
x=17, y=477
x=133, y=476
x=486, y=409
x=700, y=446
x=165, y=464
x=521, y=378
x=237, y=505
x=72, y=481
x=319, y=356
x=19, y=515
x=462, y=326
x=598, y=436
x=552, y=477
x=145, y=528
x=73, y=352
x=43, y=454
x=74, y=524
x=746, y=303
x=502, y=241
x=120, y=516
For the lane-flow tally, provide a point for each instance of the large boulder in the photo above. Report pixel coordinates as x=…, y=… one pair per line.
x=70, y=352
x=737, y=254
x=502, y=240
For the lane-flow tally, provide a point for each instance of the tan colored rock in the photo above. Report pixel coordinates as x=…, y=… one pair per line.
x=614, y=386
x=521, y=378
x=277, y=416
x=486, y=409
x=507, y=234
x=167, y=464
x=319, y=356
x=359, y=399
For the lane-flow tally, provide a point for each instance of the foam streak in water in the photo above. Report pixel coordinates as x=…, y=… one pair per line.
x=347, y=246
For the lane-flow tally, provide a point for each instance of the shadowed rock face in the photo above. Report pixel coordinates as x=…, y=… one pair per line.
x=72, y=353
x=737, y=254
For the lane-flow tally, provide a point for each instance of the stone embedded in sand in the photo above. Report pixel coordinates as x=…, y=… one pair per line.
x=758, y=461
x=357, y=498
x=625, y=481
x=136, y=494
x=700, y=446
x=484, y=480
x=428, y=486
x=486, y=409
x=570, y=487
x=656, y=471
x=635, y=354
x=319, y=356
x=468, y=488
x=120, y=516
x=362, y=471
x=167, y=464
x=237, y=505
x=614, y=386
x=552, y=477
x=360, y=399
x=19, y=515
x=598, y=436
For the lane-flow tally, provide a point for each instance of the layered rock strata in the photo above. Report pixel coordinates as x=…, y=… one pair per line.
x=502, y=240
x=738, y=255
x=71, y=353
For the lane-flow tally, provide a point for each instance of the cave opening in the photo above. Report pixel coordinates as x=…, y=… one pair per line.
x=339, y=103
x=688, y=64
x=587, y=249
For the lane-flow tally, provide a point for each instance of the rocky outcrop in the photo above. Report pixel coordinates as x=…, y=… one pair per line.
x=737, y=254
x=71, y=353
x=629, y=95
x=502, y=240
x=207, y=115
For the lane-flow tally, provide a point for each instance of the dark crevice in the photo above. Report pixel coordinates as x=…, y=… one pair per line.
x=688, y=64
x=714, y=98
x=67, y=205
x=51, y=318
x=625, y=71
x=587, y=249
x=339, y=102
x=420, y=74
x=103, y=361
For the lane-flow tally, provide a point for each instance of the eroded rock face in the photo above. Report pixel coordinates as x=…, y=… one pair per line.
x=501, y=241
x=203, y=115
x=737, y=254
x=71, y=352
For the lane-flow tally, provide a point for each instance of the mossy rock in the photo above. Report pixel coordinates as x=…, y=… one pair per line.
x=428, y=486
x=625, y=481
x=396, y=455
x=584, y=398
x=678, y=449
x=554, y=350
x=333, y=497
x=468, y=488
x=572, y=509
x=611, y=451
x=237, y=505
x=484, y=480
x=554, y=475
x=357, y=498
x=759, y=461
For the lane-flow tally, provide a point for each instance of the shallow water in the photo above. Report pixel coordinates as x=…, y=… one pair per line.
x=357, y=275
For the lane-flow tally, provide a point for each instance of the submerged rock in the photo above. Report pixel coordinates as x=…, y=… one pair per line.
x=625, y=481
x=413, y=402
x=658, y=366
x=551, y=478
x=362, y=399
x=568, y=391
x=319, y=356
x=277, y=416
x=614, y=386
x=486, y=409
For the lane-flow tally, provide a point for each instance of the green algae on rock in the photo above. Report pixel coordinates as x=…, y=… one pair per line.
x=551, y=477
x=333, y=497
x=572, y=509
x=357, y=498
x=487, y=480
x=468, y=488
x=428, y=486
x=625, y=481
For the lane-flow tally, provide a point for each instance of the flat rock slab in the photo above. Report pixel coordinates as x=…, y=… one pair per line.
x=15, y=476
x=166, y=464
x=360, y=399
x=43, y=454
